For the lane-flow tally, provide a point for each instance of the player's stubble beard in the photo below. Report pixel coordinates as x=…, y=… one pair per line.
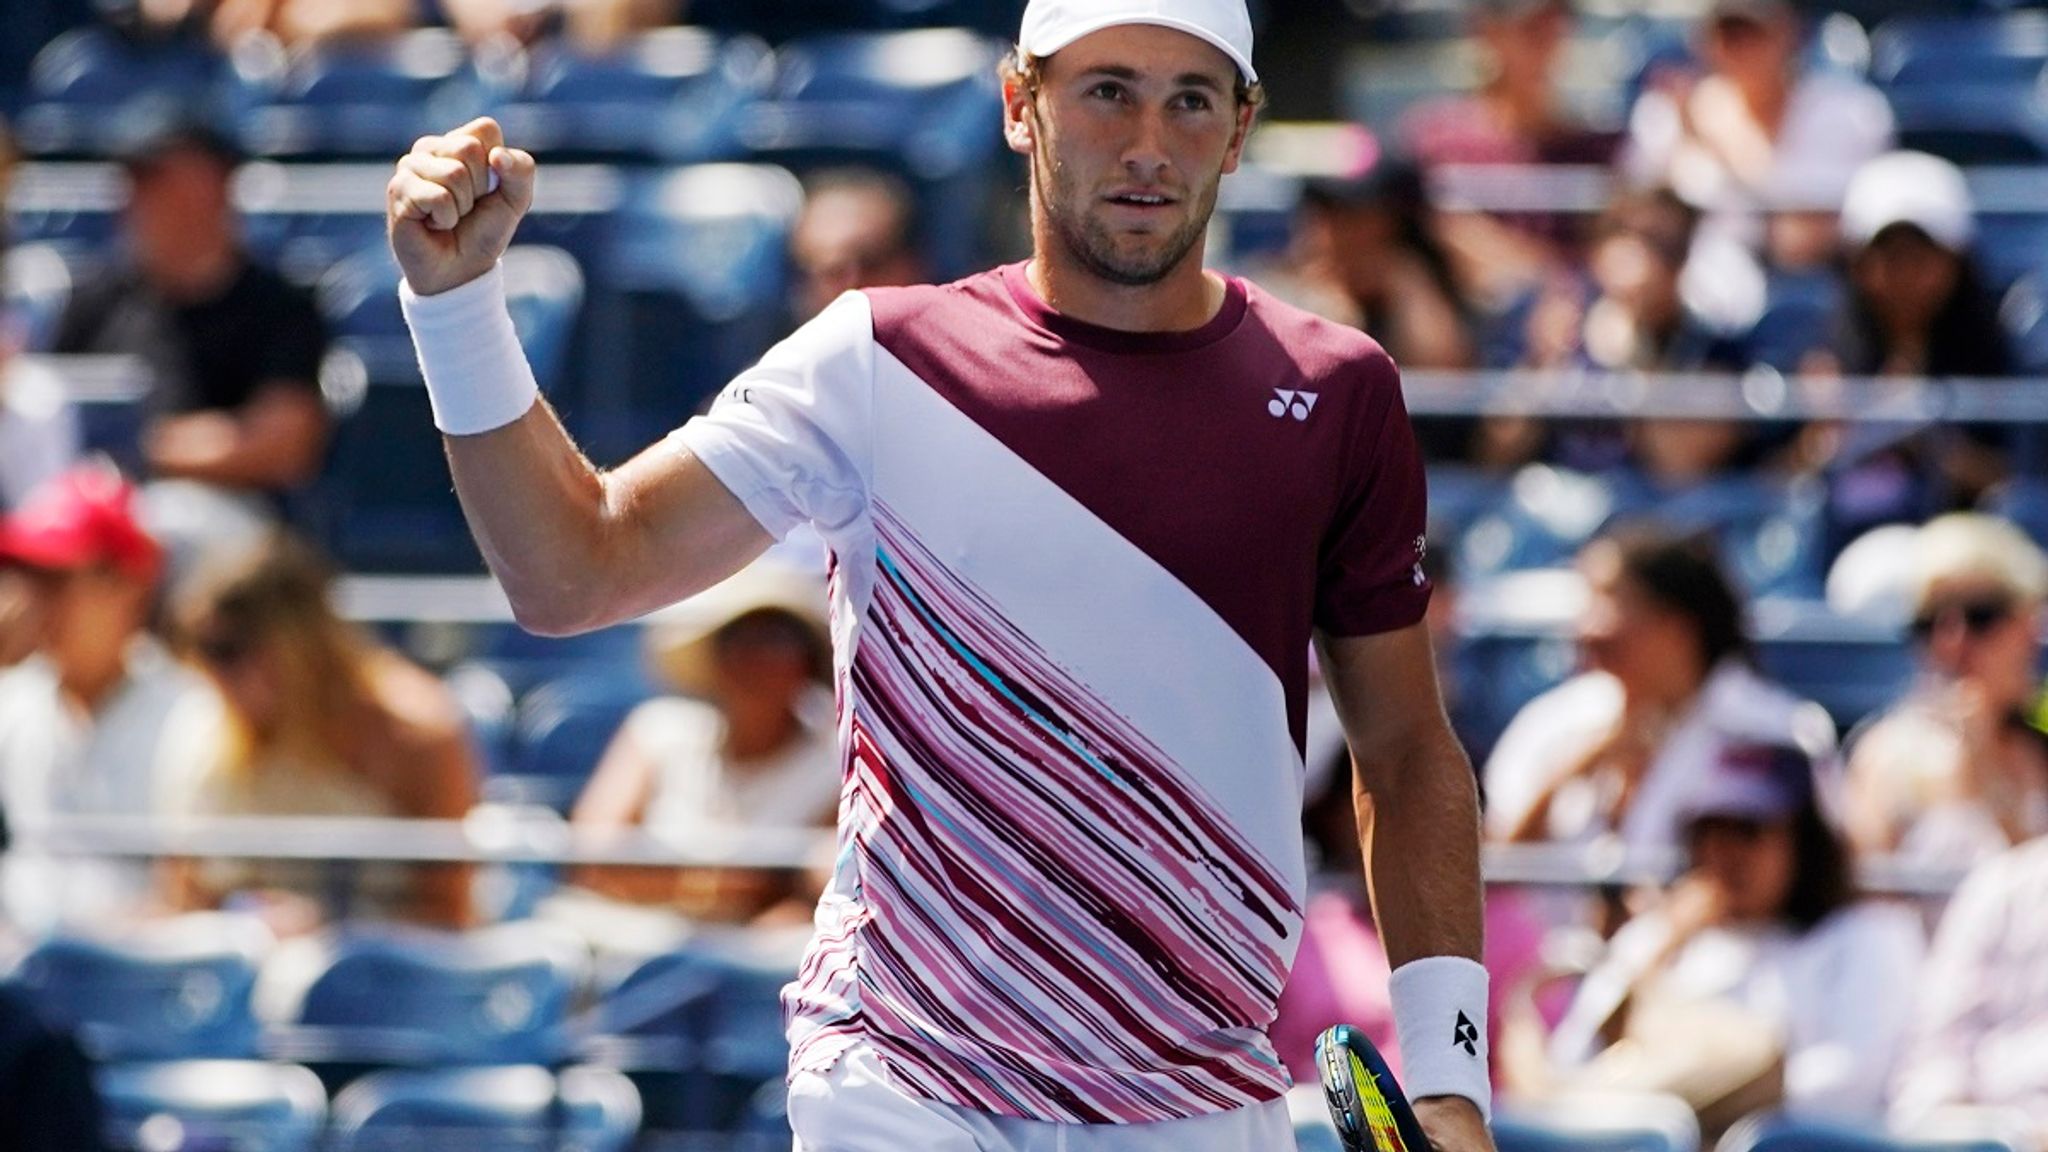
x=1090, y=242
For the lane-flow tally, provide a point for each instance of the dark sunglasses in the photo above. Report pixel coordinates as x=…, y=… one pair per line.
x=1978, y=616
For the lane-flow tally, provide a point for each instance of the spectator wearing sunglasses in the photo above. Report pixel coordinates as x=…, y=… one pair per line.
x=1959, y=768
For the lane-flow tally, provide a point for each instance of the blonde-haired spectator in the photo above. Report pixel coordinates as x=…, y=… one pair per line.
x=322, y=721
x=1959, y=767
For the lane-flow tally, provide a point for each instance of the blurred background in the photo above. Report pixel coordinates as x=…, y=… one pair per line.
x=1724, y=326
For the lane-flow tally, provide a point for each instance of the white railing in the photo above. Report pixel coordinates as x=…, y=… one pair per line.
x=507, y=836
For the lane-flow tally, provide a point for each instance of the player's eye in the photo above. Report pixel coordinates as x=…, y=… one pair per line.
x=1107, y=90
x=1193, y=102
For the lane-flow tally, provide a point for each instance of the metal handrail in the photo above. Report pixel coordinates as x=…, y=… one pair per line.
x=491, y=836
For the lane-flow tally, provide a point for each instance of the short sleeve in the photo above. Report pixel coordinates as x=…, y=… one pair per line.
x=791, y=436
x=1371, y=578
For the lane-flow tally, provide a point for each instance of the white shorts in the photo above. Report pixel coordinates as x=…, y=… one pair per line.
x=855, y=1108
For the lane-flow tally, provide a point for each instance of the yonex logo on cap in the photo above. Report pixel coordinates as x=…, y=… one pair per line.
x=1290, y=403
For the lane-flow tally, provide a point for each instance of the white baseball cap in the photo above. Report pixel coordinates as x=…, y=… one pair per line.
x=1050, y=25
x=1909, y=188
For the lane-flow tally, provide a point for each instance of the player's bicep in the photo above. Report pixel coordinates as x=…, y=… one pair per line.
x=680, y=529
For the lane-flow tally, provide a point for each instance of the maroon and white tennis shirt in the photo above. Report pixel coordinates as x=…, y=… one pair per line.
x=1075, y=576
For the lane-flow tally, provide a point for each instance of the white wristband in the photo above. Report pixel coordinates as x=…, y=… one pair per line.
x=1440, y=1018
x=477, y=375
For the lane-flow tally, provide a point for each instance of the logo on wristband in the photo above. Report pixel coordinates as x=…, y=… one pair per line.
x=1465, y=1035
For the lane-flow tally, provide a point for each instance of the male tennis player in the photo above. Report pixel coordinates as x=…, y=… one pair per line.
x=1086, y=515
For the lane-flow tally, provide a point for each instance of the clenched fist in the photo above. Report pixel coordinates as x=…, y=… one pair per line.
x=447, y=224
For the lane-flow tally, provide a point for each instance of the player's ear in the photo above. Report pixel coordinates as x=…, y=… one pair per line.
x=1247, y=112
x=1019, y=125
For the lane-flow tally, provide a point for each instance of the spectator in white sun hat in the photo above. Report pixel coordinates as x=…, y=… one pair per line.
x=1918, y=306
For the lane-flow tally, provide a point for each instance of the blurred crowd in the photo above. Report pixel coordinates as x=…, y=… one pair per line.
x=169, y=644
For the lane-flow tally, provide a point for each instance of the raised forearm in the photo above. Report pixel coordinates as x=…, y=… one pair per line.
x=536, y=507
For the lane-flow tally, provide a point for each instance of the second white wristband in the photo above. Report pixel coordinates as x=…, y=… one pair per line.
x=477, y=376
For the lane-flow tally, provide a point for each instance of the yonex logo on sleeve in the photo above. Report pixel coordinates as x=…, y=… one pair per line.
x=1465, y=1035
x=1286, y=402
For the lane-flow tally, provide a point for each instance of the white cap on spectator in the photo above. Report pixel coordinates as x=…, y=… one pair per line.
x=1050, y=25
x=1910, y=188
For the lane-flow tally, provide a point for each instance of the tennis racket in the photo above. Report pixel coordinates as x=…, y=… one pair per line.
x=1365, y=1101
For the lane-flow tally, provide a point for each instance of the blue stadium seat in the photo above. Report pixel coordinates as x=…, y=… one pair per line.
x=1547, y=516
x=925, y=104
x=767, y=1116
x=2024, y=501
x=228, y=1105
x=2011, y=246
x=674, y=95
x=700, y=1033
x=303, y=219
x=176, y=990
x=1458, y=496
x=356, y=98
x=928, y=97
x=85, y=84
x=2023, y=313
x=561, y=730
x=2006, y=50
x=1799, y=316
x=394, y=996
x=1771, y=532
x=526, y=661
x=75, y=207
x=1971, y=126
x=787, y=19
x=1779, y=1133
x=503, y=1109
x=1852, y=677
x=692, y=291
x=392, y=506
x=1502, y=671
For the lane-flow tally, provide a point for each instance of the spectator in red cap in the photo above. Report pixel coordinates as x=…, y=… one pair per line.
x=93, y=722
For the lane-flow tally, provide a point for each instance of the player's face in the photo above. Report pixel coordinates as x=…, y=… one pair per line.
x=1130, y=133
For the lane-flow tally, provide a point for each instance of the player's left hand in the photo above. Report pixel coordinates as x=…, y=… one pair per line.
x=1453, y=1124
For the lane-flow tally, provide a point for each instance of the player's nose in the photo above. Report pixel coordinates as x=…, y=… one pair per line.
x=1146, y=156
